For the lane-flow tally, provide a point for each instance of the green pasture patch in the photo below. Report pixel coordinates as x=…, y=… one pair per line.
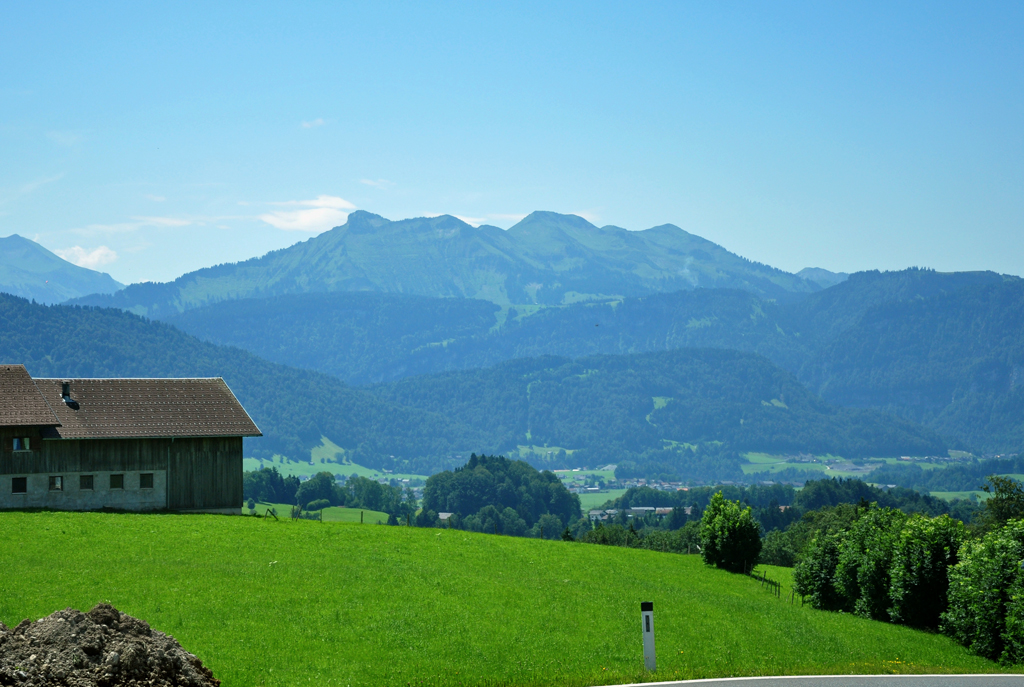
x=763, y=458
x=268, y=603
x=595, y=501
x=778, y=467
x=952, y=495
x=332, y=514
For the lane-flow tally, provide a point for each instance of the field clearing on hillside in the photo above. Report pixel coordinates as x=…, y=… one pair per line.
x=266, y=603
x=595, y=501
x=766, y=462
x=952, y=495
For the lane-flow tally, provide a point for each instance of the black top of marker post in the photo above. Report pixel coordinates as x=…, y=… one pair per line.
x=646, y=606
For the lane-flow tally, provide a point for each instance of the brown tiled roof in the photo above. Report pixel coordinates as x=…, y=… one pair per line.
x=136, y=408
x=21, y=404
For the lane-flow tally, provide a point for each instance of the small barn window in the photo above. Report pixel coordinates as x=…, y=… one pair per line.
x=19, y=485
x=85, y=482
x=21, y=444
x=117, y=481
x=146, y=480
x=56, y=483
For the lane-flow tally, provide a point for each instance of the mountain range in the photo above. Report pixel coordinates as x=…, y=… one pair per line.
x=683, y=413
x=440, y=306
x=546, y=259
x=29, y=270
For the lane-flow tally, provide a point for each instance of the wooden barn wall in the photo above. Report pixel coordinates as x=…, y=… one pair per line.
x=202, y=473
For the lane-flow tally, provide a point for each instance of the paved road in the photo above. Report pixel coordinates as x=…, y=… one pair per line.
x=854, y=681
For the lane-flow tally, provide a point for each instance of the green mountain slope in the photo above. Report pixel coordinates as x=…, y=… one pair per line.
x=638, y=405
x=954, y=361
x=547, y=258
x=294, y=408
x=612, y=405
x=30, y=271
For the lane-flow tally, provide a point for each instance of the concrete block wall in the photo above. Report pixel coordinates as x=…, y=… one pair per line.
x=72, y=497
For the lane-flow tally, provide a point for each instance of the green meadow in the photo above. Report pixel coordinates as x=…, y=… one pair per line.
x=266, y=602
x=595, y=501
x=332, y=514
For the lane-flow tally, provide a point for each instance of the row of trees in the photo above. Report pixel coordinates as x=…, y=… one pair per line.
x=927, y=572
x=322, y=491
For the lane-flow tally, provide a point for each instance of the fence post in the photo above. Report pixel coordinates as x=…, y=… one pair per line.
x=647, y=620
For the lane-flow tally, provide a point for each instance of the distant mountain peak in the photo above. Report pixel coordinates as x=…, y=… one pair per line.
x=31, y=271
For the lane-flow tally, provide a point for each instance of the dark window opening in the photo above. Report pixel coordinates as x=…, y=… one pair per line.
x=85, y=482
x=117, y=481
x=146, y=480
x=19, y=485
x=21, y=444
x=56, y=483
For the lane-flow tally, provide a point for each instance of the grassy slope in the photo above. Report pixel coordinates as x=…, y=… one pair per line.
x=296, y=603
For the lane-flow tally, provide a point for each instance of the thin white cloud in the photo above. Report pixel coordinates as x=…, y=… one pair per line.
x=136, y=224
x=28, y=188
x=320, y=214
x=157, y=199
x=163, y=221
x=499, y=218
x=589, y=215
x=382, y=184
x=313, y=124
x=507, y=217
x=92, y=259
x=64, y=138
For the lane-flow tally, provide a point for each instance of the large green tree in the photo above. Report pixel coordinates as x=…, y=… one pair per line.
x=730, y=537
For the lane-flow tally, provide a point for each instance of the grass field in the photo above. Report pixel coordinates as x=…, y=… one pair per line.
x=264, y=602
x=593, y=501
x=333, y=514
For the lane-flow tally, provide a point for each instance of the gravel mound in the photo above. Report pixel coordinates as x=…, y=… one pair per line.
x=102, y=647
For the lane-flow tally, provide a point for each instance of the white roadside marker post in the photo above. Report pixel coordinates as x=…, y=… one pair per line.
x=647, y=618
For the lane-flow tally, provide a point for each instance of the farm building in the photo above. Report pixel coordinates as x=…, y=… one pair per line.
x=131, y=444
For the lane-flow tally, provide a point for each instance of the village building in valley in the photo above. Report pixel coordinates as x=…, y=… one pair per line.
x=129, y=444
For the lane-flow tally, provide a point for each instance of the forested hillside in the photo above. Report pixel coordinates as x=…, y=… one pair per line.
x=667, y=408
x=941, y=349
x=546, y=258
x=293, y=408
x=953, y=361
x=684, y=413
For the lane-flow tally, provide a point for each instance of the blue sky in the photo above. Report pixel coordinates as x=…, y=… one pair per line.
x=147, y=140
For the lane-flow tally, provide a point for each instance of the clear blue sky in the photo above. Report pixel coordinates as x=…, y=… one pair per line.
x=152, y=139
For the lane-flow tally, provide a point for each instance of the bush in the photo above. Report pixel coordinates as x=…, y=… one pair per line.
x=319, y=504
x=814, y=576
x=985, y=599
x=923, y=553
x=730, y=538
x=862, y=571
x=778, y=549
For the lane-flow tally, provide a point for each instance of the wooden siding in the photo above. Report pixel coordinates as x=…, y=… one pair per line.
x=202, y=473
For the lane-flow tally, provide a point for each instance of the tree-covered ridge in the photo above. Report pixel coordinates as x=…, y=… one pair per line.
x=954, y=361
x=294, y=408
x=492, y=493
x=546, y=258
x=637, y=404
x=362, y=337
x=937, y=348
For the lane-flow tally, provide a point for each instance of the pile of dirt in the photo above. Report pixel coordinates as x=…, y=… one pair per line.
x=101, y=647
